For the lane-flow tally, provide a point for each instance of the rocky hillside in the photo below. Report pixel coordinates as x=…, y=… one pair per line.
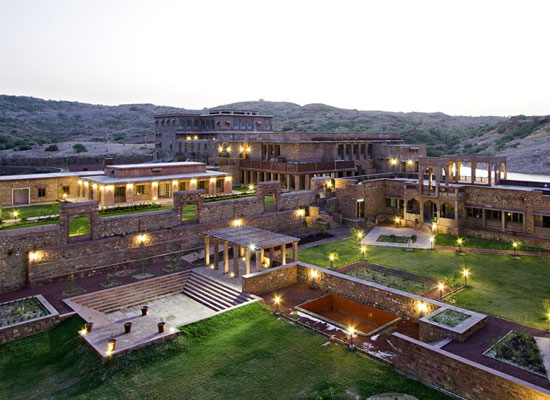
x=28, y=126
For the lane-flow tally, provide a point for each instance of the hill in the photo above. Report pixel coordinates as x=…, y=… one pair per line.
x=29, y=125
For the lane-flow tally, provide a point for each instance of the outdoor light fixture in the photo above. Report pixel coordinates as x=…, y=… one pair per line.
x=129, y=186
x=314, y=273
x=393, y=161
x=351, y=332
x=241, y=149
x=231, y=274
x=434, y=226
x=141, y=239
x=228, y=178
x=332, y=257
x=360, y=235
x=252, y=247
x=65, y=195
x=465, y=273
x=432, y=242
x=111, y=346
x=15, y=213
x=363, y=251
x=410, y=162
x=220, y=149
x=83, y=332
x=248, y=149
x=515, y=246
x=422, y=307
x=94, y=186
x=174, y=182
x=195, y=137
x=154, y=198
x=301, y=212
x=441, y=287
x=250, y=187
x=459, y=241
x=237, y=223
x=102, y=187
x=193, y=181
x=33, y=256
x=211, y=266
x=212, y=180
x=86, y=184
x=329, y=184
x=188, y=137
x=277, y=300
x=155, y=184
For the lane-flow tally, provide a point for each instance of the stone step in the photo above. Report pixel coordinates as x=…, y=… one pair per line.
x=133, y=302
x=222, y=289
x=215, y=283
x=205, y=301
x=99, y=297
x=211, y=291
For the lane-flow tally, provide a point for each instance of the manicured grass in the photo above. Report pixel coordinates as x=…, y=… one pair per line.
x=243, y=354
x=188, y=212
x=480, y=243
x=393, y=239
x=31, y=211
x=498, y=284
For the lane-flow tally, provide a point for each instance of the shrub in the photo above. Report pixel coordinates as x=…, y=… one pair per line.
x=80, y=148
x=52, y=147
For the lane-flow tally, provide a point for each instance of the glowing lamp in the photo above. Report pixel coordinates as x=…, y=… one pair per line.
x=250, y=187
x=237, y=223
x=212, y=180
x=195, y=137
x=129, y=186
x=314, y=273
x=393, y=161
x=232, y=275
x=141, y=239
x=252, y=247
x=515, y=244
x=331, y=257
x=83, y=332
x=65, y=195
x=248, y=149
x=241, y=149
x=193, y=181
x=228, y=178
x=111, y=346
x=301, y=212
x=410, y=162
x=86, y=184
x=79, y=182
x=188, y=137
x=15, y=213
x=33, y=256
x=94, y=186
x=220, y=149
x=155, y=184
x=154, y=198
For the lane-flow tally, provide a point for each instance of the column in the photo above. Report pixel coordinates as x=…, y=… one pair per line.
x=503, y=215
x=307, y=182
x=438, y=211
x=473, y=171
x=258, y=261
x=483, y=216
x=247, y=260
x=225, y=257
x=262, y=256
x=297, y=185
x=216, y=254
x=489, y=178
x=271, y=256
x=421, y=217
x=246, y=177
x=405, y=207
x=207, y=250
x=236, y=259
x=456, y=211
x=288, y=181
x=283, y=254
x=294, y=251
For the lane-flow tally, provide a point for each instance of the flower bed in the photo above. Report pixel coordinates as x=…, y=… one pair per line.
x=392, y=280
x=519, y=349
x=21, y=310
x=450, y=318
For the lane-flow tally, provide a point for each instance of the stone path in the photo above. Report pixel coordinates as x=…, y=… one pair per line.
x=422, y=241
x=543, y=344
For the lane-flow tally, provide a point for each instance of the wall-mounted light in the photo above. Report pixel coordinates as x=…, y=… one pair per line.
x=238, y=222
x=228, y=178
x=110, y=187
x=252, y=247
x=393, y=161
x=410, y=162
x=129, y=186
x=301, y=212
x=79, y=182
x=195, y=137
x=212, y=180
x=175, y=182
x=220, y=149
x=188, y=137
x=94, y=186
x=86, y=184
x=34, y=256
x=155, y=184
x=241, y=149
x=193, y=181
x=313, y=273
x=141, y=239
x=102, y=187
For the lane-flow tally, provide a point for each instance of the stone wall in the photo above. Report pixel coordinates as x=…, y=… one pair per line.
x=123, y=240
x=458, y=375
x=51, y=185
x=271, y=279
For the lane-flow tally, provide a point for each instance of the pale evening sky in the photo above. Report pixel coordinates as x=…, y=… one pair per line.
x=458, y=57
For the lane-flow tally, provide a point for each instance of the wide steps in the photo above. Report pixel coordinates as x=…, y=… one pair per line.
x=212, y=294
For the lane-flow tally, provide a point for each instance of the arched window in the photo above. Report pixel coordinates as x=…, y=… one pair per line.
x=189, y=212
x=79, y=226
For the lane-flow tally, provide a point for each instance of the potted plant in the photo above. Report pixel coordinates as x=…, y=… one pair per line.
x=144, y=311
x=89, y=326
x=127, y=327
x=161, y=325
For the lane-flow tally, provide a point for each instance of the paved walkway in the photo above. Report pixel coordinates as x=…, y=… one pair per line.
x=422, y=241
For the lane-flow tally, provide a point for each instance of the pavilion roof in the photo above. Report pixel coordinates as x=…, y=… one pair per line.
x=247, y=236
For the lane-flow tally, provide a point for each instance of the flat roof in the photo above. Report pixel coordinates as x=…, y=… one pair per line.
x=107, y=180
x=49, y=175
x=248, y=236
x=155, y=165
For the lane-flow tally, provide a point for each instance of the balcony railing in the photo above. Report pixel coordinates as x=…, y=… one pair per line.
x=296, y=168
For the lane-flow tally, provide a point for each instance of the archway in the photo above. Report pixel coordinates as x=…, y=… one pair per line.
x=79, y=226
x=430, y=211
x=447, y=211
x=190, y=213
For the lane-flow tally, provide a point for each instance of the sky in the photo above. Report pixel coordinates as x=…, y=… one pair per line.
x=463, y=57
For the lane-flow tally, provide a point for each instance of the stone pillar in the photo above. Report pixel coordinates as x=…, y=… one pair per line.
x=258, y=261
x=216, y=253
x=271, y=256
x=288, y=181
x=456, y=211
x=246, y=177
x=294, y=251
x=438, y=211
x=236, y=250
x=503, y=215
x=483, y=216
x=307, y=183
x=129, y=193
x=207, y=250
x=404, y=208
x=225, y=257
x=262, y=256
x=473, y=166
x=421, y=217
x=212, y=186
x=524, y=223
x=489, y=178
x=247, y=260
x=228, y=184
x=283, y=254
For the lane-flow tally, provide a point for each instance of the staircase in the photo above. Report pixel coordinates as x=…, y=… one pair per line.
x=212, y=294
x=201, y=289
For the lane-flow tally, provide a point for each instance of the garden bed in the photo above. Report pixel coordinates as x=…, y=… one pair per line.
x=520, y=349
x=450, y=318
x=393, y=239
x=386, y=278
x=21, y=310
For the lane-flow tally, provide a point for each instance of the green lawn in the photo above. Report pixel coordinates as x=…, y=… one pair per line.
x=32, y=211
x=188, y=212
x=245, y=353
x=480, y=243
x=499, y=284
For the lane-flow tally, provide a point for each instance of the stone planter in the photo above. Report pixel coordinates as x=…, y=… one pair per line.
x=127, y=327
x=144, y=310
x=89, y=326
x=161, y=326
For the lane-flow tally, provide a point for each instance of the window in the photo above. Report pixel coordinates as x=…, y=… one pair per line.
x=142, y=189
x=66, y=190
x=236, y=123
x=474, y=212
x=184, y=186
x=120, y=191
x=219, y=183
x=514, y=217
x=202, y=185
x=542, y=221
x=41, y=192
x=493, y=215
x=249, y=126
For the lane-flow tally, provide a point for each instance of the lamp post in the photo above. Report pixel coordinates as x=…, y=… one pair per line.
x=465, y=273
x=332, y=257
x=459, y=241
x=277, y=300
x=432, y=243
x=515, y=246
x=351, y=332
x=360, y=235
x=397, y=222
x=363, y=251
x=441, y=287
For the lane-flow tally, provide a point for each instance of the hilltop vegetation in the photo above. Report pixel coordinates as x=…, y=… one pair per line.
x=29, y=123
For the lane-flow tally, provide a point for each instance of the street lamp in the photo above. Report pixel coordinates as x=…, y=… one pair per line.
x=332, y=257
x=397, y=221
x=459, y=241
x=441, y=287
x=465, y=272
x=432, y=242
x=363, y=251
x=360, y=235
x=515, y=246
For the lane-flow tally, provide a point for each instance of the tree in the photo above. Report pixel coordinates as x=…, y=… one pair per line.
x=52, y=147
x=80, y=148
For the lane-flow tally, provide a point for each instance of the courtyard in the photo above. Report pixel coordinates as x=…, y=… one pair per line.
x=507, y=287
